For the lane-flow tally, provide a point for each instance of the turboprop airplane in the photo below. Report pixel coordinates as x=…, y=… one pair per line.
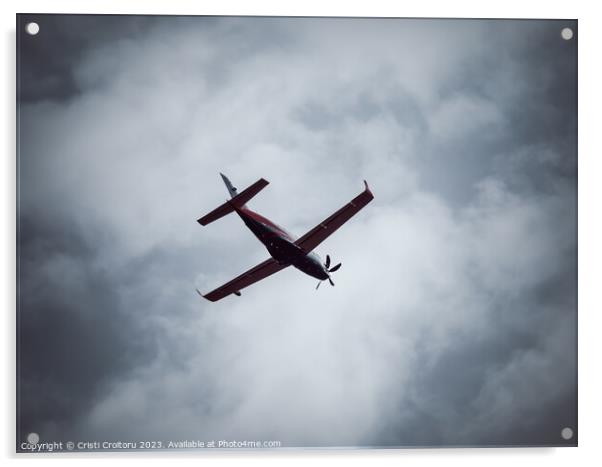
x=285, y=250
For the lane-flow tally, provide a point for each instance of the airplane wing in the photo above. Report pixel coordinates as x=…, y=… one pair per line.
x=261, y=271
x=324, y=229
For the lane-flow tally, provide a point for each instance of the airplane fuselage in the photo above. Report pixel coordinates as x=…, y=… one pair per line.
x=280, y=244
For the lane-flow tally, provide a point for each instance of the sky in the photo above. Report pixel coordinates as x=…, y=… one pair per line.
x=453, y=321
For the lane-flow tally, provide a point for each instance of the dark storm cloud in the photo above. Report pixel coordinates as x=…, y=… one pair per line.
x=47, y=60
x=526, y=83
x=74, y=338
x=454, y=324
x=465, y=368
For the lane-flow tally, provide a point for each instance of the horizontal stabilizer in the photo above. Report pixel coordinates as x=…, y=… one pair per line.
x=216, y=214
x=237, y=201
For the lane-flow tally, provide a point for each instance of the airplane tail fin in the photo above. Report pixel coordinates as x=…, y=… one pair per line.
x=231, y=188
x=238, y=200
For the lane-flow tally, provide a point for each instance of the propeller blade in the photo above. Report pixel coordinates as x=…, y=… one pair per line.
x=327, y=261
x=330, y=280
x=335, y=268
x=318, y=285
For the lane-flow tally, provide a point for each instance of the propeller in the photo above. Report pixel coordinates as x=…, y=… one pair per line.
x=329, y=270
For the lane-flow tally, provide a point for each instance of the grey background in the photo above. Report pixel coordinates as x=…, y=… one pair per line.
x=453, y=321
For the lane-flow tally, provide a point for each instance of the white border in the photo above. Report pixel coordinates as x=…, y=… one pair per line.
x=590, y=232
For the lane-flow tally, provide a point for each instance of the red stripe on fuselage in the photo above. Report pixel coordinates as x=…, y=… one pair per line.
x=259, y=218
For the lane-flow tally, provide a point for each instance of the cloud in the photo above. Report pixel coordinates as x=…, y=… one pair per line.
x=455, y=306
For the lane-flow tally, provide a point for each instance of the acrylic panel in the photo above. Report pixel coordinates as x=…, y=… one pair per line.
x=245, y=158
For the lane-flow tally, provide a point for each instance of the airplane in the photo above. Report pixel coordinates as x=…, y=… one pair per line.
x=284, y=249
